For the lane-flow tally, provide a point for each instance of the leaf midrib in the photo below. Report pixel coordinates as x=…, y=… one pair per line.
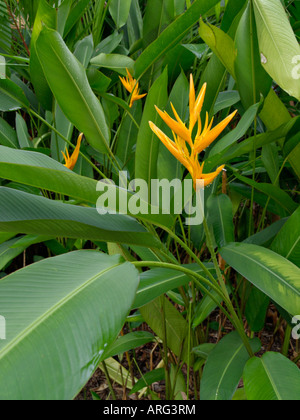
x=82, y=96
x=34, y=325
x=290, y=287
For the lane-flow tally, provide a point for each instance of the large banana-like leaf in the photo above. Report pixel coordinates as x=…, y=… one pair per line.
x=280, y=51
x=224, y=368
x=270, y=272
x=38, y=170
x=26, y=213
x=68, y=81
x=272, y=378
x=47, y=15
x=287, y=242
x=61, y=314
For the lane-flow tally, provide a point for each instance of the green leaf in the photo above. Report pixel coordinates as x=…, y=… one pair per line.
x=14, y=247
x=116, y=62
x=128, y=342
x=270, y=160
x=8, y=136
x=82, y=305
x=220, y=214
x=68, y=82
x=287, y=242
x=226, y=100
x=119, y=10
x=22, y=132
x=154, y=283
x=147, y=143
x=206, y=306
x=252, y=79
x=148, y=379
x=172, y=35
x=36, y=169
x=256, y=309
x=278, y=45
x=266, y=236
x=224, y=368
x=46, y=15
x=231, y=138
x=272, y=378
x=271, y=273
x=162, y=311
x=26, y=213
x=277, y=194
x=11, y=96
x=221, y=44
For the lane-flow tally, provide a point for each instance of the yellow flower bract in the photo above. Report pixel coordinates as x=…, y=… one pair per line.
x=72, y=160
x=132, y=86
x=184, y=148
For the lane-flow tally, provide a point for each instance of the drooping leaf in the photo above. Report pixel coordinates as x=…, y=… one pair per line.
x=69, y=84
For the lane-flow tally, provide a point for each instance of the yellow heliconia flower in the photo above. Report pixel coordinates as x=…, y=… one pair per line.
x=132, y=86
x=184, y=148
x=72, y=160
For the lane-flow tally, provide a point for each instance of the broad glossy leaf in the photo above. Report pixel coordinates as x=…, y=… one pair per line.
x=155, y=282
x=116, y=62
x=280, y=51
x=162, y=311
x=119, y=10
x=53, y=347
x=287, y=242
x=26, y=213
x=11, y=96
x=148, y=143
x=270, y=272
x=224, y=368
x=128, y=342
x=220, y=216
x=22, y=132
x=38, y=170
x=221, y=44
x=272, y=378
x=226, y=100
x=69, y=84
x=256, y=309
x=8, y=136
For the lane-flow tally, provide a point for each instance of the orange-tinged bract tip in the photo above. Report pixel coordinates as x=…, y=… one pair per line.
x=72, y=160
x=132, y=86
x=205, y=136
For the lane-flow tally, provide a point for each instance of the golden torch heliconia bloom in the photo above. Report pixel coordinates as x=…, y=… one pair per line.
x=72, y=160
x=132, y=86
x=184, y=148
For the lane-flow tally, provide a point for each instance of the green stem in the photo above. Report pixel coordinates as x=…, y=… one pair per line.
x=109, y=381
